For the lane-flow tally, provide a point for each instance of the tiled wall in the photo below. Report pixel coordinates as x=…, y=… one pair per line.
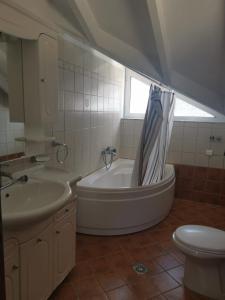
x=8, y=130
x=189, y=142
x=200, y=184
x=91, y=89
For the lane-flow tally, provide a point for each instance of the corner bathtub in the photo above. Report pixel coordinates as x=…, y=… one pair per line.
x=108, y=206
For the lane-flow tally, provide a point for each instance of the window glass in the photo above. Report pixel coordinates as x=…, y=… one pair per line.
x=184, y=109
x=138, y=96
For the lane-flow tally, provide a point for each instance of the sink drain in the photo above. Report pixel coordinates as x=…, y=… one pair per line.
x=140, y=268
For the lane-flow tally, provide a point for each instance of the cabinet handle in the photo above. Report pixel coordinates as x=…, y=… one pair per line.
x=15, y=267
x=43, y=80
x=39, y=240
x=66, y=210
x=57, y=232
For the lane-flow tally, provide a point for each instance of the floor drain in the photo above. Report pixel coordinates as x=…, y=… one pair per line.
x=140, y=268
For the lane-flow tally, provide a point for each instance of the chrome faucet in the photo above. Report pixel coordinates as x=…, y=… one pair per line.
x=22, y=179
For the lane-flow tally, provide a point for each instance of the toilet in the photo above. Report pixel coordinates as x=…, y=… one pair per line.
x=204, y=248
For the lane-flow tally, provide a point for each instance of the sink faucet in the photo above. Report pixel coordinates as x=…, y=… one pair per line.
x=22, y=179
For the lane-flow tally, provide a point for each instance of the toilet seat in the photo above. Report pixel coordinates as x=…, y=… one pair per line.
x=200, y=241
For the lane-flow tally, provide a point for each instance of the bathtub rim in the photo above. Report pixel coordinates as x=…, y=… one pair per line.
x=168, y=179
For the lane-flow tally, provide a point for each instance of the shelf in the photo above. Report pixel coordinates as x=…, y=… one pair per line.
x=43, y=139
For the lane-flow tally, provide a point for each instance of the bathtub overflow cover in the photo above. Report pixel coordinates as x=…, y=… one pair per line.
x=140, y=268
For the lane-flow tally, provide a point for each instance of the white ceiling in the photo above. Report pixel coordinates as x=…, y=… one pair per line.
x=180, y=42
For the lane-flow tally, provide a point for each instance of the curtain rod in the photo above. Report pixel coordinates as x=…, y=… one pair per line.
x=155, y=81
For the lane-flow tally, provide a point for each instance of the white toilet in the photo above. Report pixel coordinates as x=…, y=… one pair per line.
x=204, y=248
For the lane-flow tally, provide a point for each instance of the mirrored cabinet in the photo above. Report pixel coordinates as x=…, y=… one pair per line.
x=28, y=92
x=11, y=96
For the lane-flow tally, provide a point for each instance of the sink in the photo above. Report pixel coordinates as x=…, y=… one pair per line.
x=24, y=203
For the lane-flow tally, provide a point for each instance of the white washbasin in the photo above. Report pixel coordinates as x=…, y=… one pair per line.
x=23, y=203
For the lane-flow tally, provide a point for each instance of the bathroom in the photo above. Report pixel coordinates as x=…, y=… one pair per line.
x=71, y=126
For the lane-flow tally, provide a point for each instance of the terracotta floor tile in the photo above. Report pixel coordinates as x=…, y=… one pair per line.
x=65, y=291
x=110, y=281
x=178, y=255
x=122, y=293
x=167, y=261
x=128, y=274
x=177, y=273
x=100, y=265
x=153, y=267
x=119, y=260
x=83, y=254
x=182, y=293
x=147, y=253
x=164, y=282
x=145, y=288
x=167, y=245
x=88, y=290
x=82, y=270
x=104, y=264
x=160, y=297
x=176, y=294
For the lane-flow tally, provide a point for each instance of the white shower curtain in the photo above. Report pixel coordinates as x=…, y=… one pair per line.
x=154, y=142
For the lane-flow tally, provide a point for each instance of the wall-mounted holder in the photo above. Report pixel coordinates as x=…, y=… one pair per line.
x=213, y=138
x=61, y=146
x=42, y=139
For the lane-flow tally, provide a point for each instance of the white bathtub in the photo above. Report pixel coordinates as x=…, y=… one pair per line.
x=107, y=205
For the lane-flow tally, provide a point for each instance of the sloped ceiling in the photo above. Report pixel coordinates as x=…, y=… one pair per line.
x=178, y=42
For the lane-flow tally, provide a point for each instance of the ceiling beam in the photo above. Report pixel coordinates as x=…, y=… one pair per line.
x=155, y=11
x=109, y=44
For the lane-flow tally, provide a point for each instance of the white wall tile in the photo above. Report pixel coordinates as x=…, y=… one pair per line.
x=187, y=158
x=89, y=122
x=69, y=101
x=216, y=161
x=203, y=139
x=174, y=157
x=79, y=102
x=176, y=143
x=202, y=160
x=190, y=138
x=68, y=80
x=79, y=80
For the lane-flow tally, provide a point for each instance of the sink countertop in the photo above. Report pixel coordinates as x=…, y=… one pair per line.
x=57, y=175
x=51, y=173
x=45, y=183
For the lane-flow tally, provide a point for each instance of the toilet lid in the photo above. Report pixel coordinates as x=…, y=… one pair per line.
x=203, y=238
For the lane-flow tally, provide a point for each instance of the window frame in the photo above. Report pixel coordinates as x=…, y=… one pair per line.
x=218, y=118
x=128, y=75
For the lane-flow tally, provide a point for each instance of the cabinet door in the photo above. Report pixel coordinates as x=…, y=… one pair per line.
x=36, y=266
x=12, y=279
x=65, y=238
x=12, y=272
x=48, y=68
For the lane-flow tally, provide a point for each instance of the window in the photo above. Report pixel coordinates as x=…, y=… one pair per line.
x=184, y=109
x=138, y=96
x=136, y=99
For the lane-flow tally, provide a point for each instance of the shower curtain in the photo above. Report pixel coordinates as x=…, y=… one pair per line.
x=150, y=160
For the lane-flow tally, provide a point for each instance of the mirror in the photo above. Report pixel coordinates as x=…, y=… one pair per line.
x=9, y=130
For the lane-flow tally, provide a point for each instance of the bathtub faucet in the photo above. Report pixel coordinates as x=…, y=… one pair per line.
x=107, y=155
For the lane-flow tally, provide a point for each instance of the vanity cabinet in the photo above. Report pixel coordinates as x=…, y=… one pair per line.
x=12, y=269
x=37, y=266
x=64, y=246
x=39, y=259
